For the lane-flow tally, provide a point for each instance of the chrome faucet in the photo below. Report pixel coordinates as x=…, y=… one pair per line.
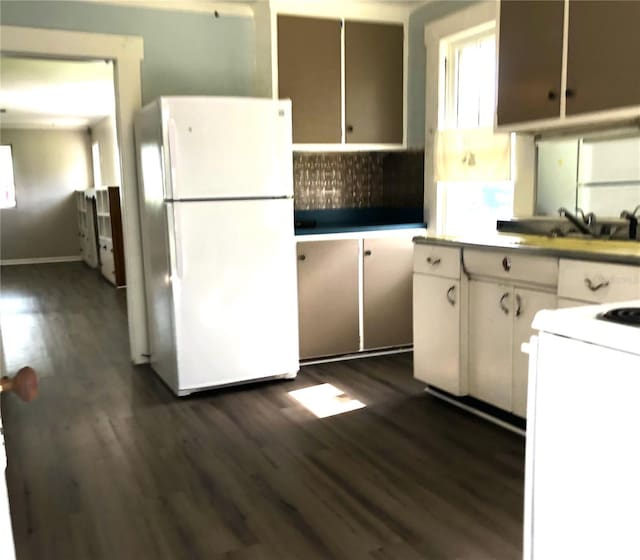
x=580, y=225
x=632, y=216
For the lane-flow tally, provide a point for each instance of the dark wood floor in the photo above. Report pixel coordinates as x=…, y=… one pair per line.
x=107, y=464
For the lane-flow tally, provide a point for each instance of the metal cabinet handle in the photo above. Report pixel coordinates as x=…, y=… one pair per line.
x=551, y=95
x=506, y=264
x=595, y=287
x=569, y=92
x=518, y=305
x=367, y=253
x=434, y=262
x=451, y=295
x=502, y=305
x=301, y=257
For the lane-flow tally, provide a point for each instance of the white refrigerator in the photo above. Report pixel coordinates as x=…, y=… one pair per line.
x=216, y=197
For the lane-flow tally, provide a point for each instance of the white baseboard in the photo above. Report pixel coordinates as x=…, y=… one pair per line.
x=40, y=260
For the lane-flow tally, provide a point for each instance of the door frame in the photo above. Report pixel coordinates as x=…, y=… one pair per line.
x=127, y=53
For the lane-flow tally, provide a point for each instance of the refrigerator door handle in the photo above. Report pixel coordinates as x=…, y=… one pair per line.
x=173, y=156
x=174, y=240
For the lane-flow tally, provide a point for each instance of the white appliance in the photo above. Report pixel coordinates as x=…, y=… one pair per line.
x=7, y=550
x=582, y=482
x=216, y=195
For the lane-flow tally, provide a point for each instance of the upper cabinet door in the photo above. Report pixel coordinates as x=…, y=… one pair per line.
x=374, y=83
x=309, y=73
x=530, y=60
x=603, y=68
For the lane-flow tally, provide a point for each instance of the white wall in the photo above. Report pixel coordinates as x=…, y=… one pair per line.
x=49, y=165
x=104, y=133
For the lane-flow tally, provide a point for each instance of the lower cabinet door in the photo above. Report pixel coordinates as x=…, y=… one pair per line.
x=527, y=303
x=328, y=297
x=436, y=332
x=491, y=308
x=387, y=280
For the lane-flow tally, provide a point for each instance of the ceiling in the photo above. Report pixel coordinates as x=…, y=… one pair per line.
x=42, y=93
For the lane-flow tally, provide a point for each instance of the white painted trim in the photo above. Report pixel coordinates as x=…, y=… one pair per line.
x=201, y=6
x=334, y=9
x=348, y=147
x=127, y=53
x=472, y=17
x=40, y=260
x=356, y=356
x=343, y=84
x=565, y=59
x=477, y=412
x=361, y=293
x=586, y=121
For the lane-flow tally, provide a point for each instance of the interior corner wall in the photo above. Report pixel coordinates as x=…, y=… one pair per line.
x=185, y=53
x=417, y=63
x=104, y=133
x=49, y=165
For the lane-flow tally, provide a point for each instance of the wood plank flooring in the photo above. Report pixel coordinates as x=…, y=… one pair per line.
x=108, y=464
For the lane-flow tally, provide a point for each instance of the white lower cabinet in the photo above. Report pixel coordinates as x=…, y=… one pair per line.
x=436, y=332
x=490, y=342
x=500, y=318
x=528, y=303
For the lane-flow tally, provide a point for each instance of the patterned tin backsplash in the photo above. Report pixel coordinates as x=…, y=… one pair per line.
x=325, y=181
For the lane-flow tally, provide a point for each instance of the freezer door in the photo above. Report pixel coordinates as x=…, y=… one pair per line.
x=234, y=291
x=220, y=147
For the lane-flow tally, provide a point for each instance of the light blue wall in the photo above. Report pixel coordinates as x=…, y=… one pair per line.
x=184, y=53
x=416, y=83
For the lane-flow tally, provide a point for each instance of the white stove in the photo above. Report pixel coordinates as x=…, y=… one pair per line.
x=582, y=483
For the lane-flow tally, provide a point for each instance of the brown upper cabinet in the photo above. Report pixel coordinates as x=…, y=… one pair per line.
x=601, y=70
x=373, y=82
x=310, y=73
x=530, y=60
x=603, y=65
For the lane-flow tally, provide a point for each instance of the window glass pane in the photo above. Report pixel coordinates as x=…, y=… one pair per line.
x=474, y=208
x=7, y=184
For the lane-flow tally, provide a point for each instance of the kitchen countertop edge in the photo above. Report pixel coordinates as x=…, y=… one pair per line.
x=530, y=248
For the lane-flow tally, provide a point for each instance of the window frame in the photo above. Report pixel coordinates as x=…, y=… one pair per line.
x=13, y=173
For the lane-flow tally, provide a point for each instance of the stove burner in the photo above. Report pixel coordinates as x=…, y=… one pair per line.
x=623, y=315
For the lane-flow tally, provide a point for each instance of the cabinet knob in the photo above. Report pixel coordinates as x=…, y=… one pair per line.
x=518, y=305
x=302, y=257
x=551, y=95
x=569, y=92
x=349, y=128
x=506, y=264
x=434, y=261
x=367, y=253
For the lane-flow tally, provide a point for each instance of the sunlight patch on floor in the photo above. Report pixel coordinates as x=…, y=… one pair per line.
x=325, y=400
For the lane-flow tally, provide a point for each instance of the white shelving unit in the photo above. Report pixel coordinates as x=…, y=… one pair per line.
x=86, y=227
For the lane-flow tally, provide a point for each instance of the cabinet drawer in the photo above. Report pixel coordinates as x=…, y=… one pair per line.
x=509, y=265
x=598, y=282
x=437, y=260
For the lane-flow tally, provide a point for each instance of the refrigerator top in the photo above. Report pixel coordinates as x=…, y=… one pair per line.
x=225, y=147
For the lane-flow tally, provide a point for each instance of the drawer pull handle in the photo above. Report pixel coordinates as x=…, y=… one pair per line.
x=506, y=264
x=504, y=308
x=301, y=258
x=451, y=295
x=367, y=253
x=595, y=287
x=434, y=262
x=518, y=305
